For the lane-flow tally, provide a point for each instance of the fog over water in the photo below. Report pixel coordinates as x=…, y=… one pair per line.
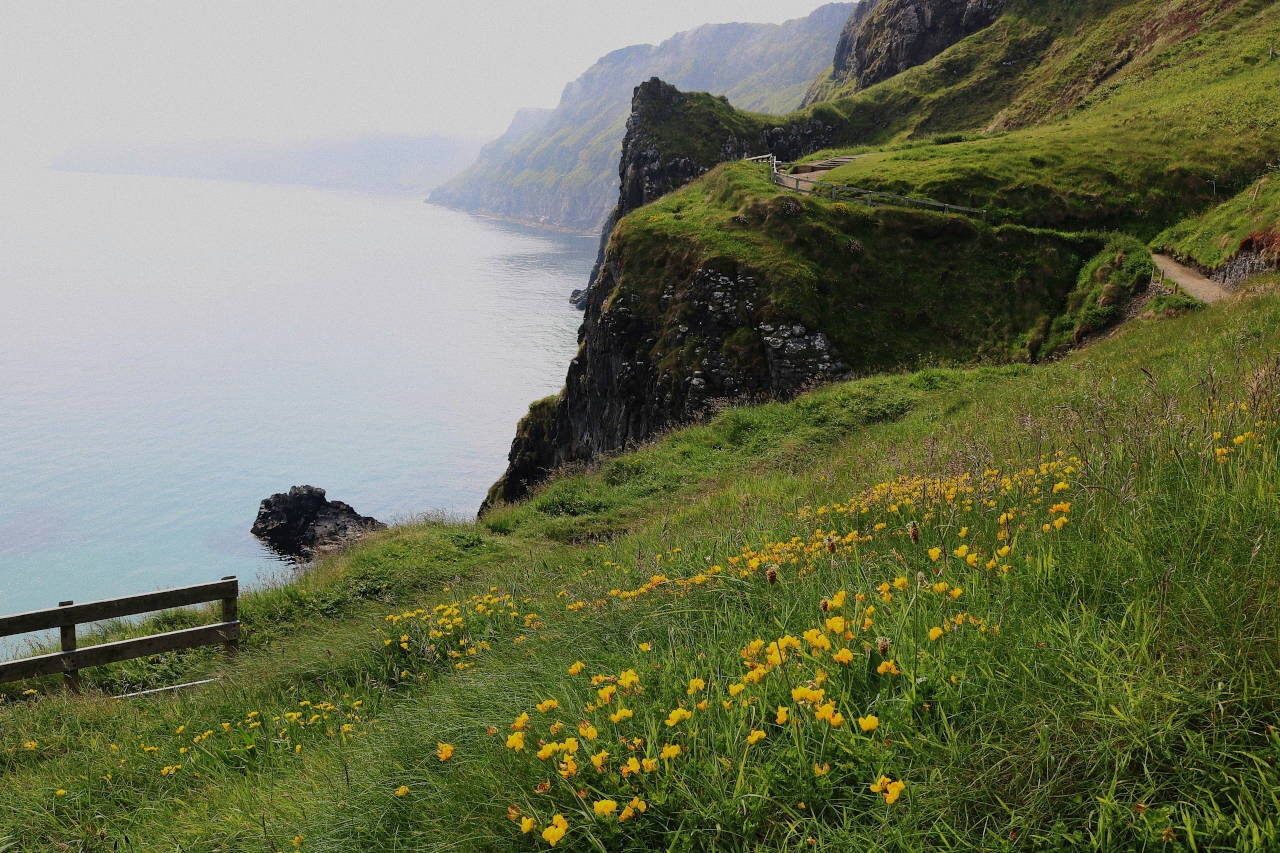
x=173, y=350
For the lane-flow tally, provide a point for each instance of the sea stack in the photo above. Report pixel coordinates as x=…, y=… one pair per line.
x=303, y=523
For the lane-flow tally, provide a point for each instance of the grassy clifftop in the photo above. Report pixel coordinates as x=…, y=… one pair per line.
x=888, y=286
x=1077, y=652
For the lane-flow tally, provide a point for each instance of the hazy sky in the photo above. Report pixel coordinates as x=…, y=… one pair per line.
x=82, y=73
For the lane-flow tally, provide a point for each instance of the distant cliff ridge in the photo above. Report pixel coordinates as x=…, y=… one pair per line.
x=560, y=170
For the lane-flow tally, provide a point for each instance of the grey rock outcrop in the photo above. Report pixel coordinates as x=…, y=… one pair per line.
x=303, y=523
x=883, y=38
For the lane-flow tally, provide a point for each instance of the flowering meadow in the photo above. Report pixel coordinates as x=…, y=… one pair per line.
x=1002, y=608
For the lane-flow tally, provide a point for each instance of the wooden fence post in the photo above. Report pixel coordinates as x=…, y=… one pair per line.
x=71, y=677
x=230, y=613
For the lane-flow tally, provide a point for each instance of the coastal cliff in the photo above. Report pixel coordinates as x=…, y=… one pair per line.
x=561, y=172
x=714, y=285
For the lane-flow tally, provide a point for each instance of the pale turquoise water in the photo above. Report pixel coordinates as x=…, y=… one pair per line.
x=172, y=351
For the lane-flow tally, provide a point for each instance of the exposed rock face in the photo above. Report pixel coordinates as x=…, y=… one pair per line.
x=302, y=522
x=842, y=65
x=883, y=38
x=902, y=34
x=1244, y=265
x=561, y=172
x=639, y=372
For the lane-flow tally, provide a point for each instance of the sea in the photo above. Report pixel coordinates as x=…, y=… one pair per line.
x=174, y=350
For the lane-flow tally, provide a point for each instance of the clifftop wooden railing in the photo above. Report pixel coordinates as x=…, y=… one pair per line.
x=71, y=659
x=837, y=191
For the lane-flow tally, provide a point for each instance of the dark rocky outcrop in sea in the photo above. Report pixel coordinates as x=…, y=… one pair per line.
x=303, y=523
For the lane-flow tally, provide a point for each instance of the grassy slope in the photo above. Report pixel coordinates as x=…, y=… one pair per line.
x=888, y=286
x=1214, y=237
x=1129, y=692
x=1139, y=153
x=1165, y=99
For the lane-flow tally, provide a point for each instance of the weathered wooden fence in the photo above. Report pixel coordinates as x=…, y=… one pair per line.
x=67, y=615
x=839, y=192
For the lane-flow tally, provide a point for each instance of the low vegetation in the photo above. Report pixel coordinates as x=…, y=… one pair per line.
x=951, y=608
x=1250, y=220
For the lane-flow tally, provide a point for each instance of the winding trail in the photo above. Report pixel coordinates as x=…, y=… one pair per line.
x=1196, y=285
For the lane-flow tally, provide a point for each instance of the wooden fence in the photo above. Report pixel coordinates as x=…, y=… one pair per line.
x=67, y=615
x=839, y=192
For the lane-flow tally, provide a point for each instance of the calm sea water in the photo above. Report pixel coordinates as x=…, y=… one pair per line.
x=172, y=351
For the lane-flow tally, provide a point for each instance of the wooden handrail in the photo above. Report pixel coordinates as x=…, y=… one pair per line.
x=113, y=608
x=778, y=178
x=71, y=659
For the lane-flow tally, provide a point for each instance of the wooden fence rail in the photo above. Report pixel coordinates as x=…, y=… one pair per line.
x=67, y=615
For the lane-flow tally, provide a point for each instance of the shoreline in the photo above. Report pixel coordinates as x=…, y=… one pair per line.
x=527, y=223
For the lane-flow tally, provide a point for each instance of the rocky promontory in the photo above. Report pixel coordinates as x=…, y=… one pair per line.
x=303, y=522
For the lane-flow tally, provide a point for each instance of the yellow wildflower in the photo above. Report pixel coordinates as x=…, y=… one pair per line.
x=515, y=741
x=547, y=705
x=402, y=790
x=868, y=723
x=576, y=668
x=755, y=736
x=669, y=750
x=888, y=667
x=604, y=808
x=783, y=711
x=676, y=715
x=935, y=632
x=444, y=750
x=553, y=833
x=843, y=656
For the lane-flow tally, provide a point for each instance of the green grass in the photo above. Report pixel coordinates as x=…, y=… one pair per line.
x=890, y=287
x=1129, y=692
x=1106, y=286
x=1213, y=238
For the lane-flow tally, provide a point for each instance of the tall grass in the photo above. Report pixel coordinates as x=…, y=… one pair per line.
x=1109, y=682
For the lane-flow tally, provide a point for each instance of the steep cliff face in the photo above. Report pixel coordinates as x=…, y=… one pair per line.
x=644, y=365
x=883, y=38
x=842, y=65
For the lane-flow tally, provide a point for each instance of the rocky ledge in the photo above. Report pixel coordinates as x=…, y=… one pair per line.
x=303, y=523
